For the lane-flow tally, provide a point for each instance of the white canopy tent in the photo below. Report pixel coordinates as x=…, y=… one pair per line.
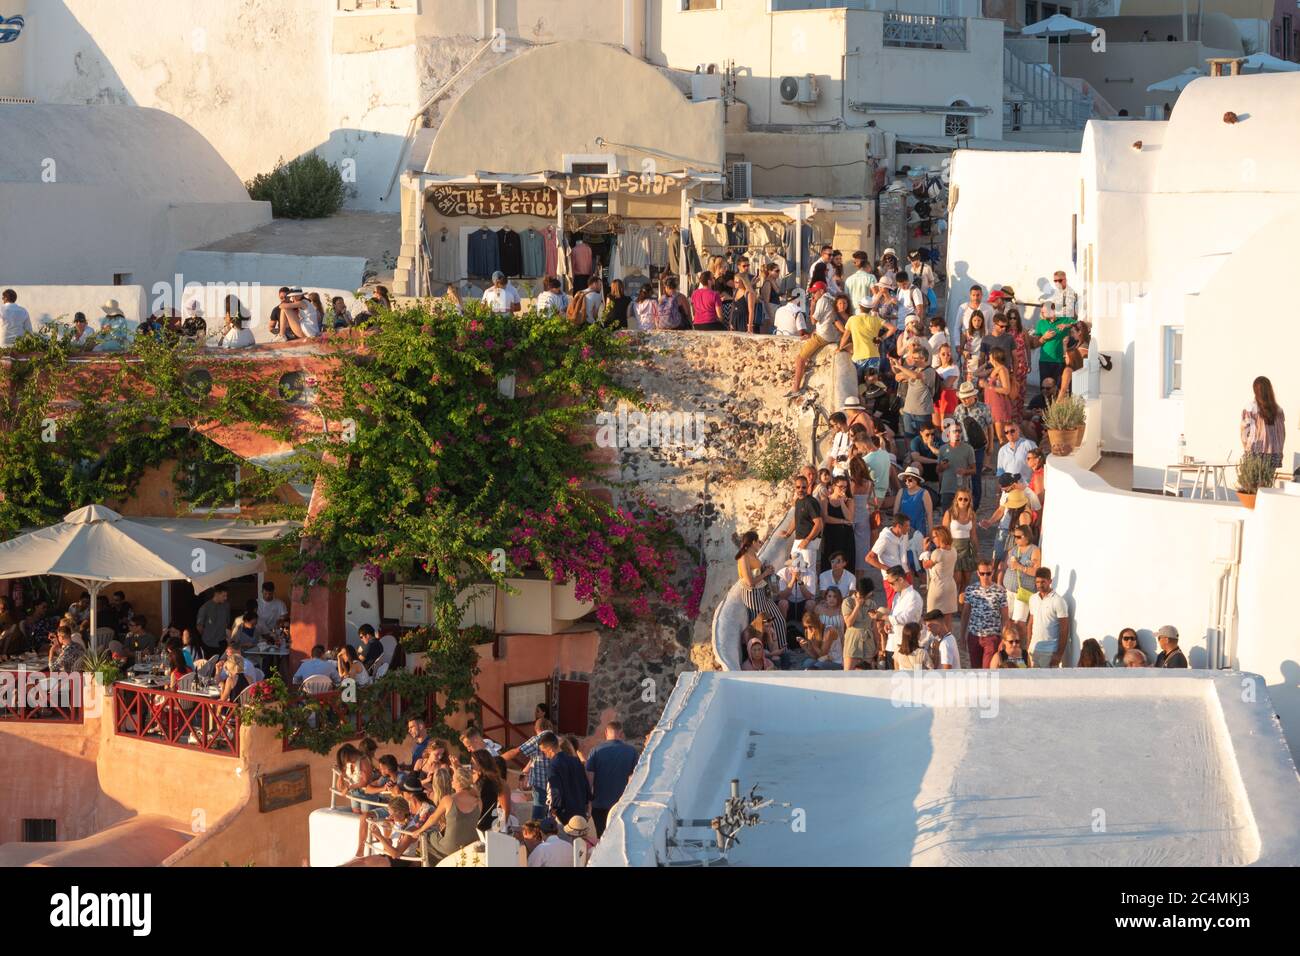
x=95, y=546
x=1267, y=63
x=1058, y=25
x=1175, y=84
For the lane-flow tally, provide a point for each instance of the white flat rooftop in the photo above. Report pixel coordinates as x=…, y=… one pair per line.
x=968, y=768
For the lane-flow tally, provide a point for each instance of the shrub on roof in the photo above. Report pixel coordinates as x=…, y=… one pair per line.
x=305, y=188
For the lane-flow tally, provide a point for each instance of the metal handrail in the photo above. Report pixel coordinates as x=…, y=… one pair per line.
x=1045, y=92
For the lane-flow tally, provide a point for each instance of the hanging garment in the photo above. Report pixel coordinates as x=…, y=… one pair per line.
x=719, y=237
x=738, y=234
x=511, y=250
x=548, y=248
x=484, y=253
x=673, y=245
x=699, y=243
x=616, y=265
x=534, y=253
x=581, y=258
x=446, y=258
x=657, y=245
x=691, y=256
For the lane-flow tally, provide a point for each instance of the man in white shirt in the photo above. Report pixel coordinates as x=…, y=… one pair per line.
x=595, y=299
x=15, y=321
x=975, y=304
x=907, y=606
x=937, y=629
x=1064, y=300
x=1013, y=456
x=858, y=286
x=314, y=665
x=791, y=319
x=269, y=610
x=1049, y=622
x=552, y=297
x=502, y=298
x=841, y=443
x=825, y=258
x=911, y=300
x=891, y=549
x=553, y=850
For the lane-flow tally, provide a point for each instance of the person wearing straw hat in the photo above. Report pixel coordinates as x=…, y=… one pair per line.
x=114, y=330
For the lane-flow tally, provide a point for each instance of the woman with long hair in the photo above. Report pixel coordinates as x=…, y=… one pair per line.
x=176, y=666
x=234, y=335
x=619, y=302
x=462, y=810
x=646, y=309
x=493, y=792
x=998, y=390
x=1091, y=655
x=972, y=341
x=910, y=655
x=864, y=493
x=940, y=563
x=837, y=519
x=960, y=521
x=1128, y=641
x=1019, y=362
x=1263, y=423
x=753, y=576
x=349, y=666
x=824, y=649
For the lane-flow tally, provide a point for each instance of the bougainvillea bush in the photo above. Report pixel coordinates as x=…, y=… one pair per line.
x=457, y=453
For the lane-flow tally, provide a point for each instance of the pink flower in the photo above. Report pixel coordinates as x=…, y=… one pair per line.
x=514, y=442
x=586, y=352
x=641, y=606
x=605, y=614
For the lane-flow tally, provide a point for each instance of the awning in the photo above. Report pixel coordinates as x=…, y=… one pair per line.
x=221, y=529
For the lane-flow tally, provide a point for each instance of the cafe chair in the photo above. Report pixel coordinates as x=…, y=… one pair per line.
x=317, y=684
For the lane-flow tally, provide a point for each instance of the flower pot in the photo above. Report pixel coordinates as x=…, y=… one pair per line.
x=415, y=661
x=1247, y=499
x=1062, y=441
x=1078, y=436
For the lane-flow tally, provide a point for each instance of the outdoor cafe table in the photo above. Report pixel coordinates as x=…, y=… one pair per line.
x=268, y=656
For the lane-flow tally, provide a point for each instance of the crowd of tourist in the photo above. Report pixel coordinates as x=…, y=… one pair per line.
x=297, y=315
x=935, y=428
x=441, y=799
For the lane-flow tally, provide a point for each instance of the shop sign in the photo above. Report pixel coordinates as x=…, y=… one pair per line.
x=487, y=202
x=633, y=184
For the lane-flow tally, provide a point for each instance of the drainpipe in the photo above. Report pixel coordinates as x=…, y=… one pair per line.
x=411, y=126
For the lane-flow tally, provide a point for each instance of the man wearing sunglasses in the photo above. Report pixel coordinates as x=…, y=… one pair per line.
x=983, y=616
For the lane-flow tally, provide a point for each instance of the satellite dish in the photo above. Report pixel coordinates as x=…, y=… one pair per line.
x=789, y=88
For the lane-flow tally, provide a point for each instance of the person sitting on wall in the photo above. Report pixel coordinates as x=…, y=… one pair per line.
x=502, y=298
x=1170, y=655
x=299, y=315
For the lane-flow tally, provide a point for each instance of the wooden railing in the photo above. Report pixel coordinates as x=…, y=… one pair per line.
x=38, y=696
x=178, y=720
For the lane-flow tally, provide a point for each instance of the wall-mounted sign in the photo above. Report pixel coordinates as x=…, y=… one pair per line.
x=634, y=184
x=283, y=788
x=10, y=27
x=486, y=202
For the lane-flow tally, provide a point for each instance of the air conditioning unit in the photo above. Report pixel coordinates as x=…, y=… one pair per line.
x=740, y=181
x=800, y=90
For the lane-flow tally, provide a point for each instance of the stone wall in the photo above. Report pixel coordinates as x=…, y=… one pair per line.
x=727, y=389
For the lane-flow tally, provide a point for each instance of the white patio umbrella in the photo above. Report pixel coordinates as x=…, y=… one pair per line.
x=1175, y=84
x=1058, y=25
x=1267, y=63
x=95, y=546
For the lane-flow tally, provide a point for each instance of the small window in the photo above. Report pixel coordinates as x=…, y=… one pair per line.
x=955, y=124
x=522, y=701
x=1173, y=361
x=121, y=278
x=39, y=831
x=699, y=4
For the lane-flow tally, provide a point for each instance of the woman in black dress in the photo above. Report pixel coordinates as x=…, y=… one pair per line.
x=837, y=517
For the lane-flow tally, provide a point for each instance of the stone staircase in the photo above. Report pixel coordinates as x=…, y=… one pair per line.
x=1034, y=98
x=404, y=275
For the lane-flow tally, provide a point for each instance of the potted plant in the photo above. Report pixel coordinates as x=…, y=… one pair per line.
x=1254, y=472
x=1080, y=415
x=1061, y=419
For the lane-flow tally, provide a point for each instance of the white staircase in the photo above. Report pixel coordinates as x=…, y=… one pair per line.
x=1034, y=98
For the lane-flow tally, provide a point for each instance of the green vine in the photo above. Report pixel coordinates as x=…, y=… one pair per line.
x=84, y=429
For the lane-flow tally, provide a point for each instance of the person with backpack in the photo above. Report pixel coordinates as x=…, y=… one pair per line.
x=911, y=300
x=674, y=308
x=976, y=421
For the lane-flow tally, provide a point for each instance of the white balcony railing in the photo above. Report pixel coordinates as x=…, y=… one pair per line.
x=917, y=31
